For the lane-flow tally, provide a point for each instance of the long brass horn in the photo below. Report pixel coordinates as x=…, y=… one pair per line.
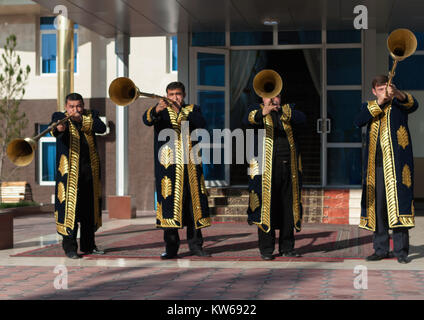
x=21, y=151
x=401, y=43
x=123, y=91
x=267, y=83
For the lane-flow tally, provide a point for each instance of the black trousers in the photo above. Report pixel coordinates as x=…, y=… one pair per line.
x=194, y=236
x=381, y=238
x=84, y=214
x=281, y=211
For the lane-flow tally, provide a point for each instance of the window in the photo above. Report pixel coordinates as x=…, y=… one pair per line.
x=48, y=39
x=174, y=54
x=46, y=158
x=208, y=39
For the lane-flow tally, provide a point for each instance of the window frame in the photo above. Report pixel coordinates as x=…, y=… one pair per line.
x=169, y=64
x=40, y=38
x=45, y=139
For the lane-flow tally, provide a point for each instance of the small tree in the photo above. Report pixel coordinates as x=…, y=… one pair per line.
x=13, y=79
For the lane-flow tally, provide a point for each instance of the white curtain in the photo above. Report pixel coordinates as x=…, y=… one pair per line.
x=242, y=64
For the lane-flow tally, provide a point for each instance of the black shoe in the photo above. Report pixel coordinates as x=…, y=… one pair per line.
x=72, y=255
x=403, y=260
x=95, y=251
x=376, y=257
x=167, y=256
x=200, y=253
x=290, y=253
x=267, y=257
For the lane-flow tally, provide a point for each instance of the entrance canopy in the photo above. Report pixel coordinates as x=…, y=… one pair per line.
x=163, y=17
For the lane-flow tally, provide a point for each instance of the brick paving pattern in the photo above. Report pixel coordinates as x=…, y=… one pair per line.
x=207, y=284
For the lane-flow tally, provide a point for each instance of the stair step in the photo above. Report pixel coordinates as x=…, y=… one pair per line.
x=228, y=201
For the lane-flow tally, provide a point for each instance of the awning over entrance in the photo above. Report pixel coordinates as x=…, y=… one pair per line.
x=162, y=17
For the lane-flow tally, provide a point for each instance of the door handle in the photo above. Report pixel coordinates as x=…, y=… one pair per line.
x=328, y=125
x=319, y=126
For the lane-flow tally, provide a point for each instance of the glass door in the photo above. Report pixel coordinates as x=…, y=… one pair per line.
x=342, y=141
x=209, y=76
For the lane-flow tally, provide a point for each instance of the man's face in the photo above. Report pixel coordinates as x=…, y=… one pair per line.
x=176, y=95
x=275, y=101
x=380, y=91
x=74, y=106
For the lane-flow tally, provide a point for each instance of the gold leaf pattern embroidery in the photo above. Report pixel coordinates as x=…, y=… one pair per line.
x=63, y=165
x=252, y=116
x=61, y=194
x=166, y=157
x=202, y=184
x=166, y=187
x=253, y=168
x=402, y=136
x=253, y=201
x=406, y=176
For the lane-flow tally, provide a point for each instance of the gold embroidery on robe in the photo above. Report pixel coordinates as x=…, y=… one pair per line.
x=63, y=165
x=369, y=222
x=253, y=201
x=406, y=176
x=294, y=175
x=253, y=168
x=410, y=101
x=389, y=169
x=287, y=113
x=166, y=157
x=169, y=223
x=202, y=184
x=374, y=108
x=72, y=187
x=252, y=117
x=148, y=115
x=402, y=137
x=61, y=194
x=267, y=174
x=166, y=187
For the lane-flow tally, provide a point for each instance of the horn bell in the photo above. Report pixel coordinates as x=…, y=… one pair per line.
x=401, y=43
x=21, y=151
x=267, y=83
x=123, y=91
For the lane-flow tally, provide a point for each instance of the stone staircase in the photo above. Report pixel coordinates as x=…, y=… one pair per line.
x=229, y=204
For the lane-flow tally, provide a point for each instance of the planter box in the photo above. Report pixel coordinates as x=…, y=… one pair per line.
x=6, y=221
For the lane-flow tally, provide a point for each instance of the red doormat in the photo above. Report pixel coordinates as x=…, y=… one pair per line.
x=227, y=242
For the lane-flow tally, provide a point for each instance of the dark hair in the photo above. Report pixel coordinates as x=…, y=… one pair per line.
x=175, y=85
x=380, y=80
x=74, y=96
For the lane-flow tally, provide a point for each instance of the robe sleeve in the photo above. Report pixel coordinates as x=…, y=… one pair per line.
x=369, y=111
x=150, y=117
x=92, y=123
x=196, y=119
x=292, y=116
x=56, y=117
x=409, y=105
x=253, y=118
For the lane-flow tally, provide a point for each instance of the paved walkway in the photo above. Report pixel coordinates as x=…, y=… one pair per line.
x=185, y=279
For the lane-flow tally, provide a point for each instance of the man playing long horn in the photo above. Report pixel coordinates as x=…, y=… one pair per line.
x=275, y=180
x=181, y=193
x=388, y=174
x=78, y=188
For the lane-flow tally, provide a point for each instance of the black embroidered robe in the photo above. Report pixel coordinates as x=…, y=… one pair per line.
x=67, y=172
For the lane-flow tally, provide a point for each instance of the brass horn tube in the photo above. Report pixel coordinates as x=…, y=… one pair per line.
x=123, y=91
x=401, y=44
x=21, y=151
